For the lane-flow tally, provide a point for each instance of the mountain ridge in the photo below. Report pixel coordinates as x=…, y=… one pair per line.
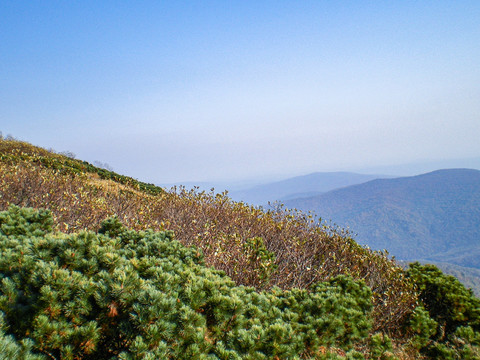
x=385, y=212
x=317, y=182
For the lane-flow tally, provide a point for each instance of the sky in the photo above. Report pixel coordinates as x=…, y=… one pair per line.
x=173, y=91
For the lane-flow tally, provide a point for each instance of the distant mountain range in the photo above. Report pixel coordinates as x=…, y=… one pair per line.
x=300, y=186
x=434, y=216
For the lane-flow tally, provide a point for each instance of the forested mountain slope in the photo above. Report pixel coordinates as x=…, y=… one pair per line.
x=299, y=186
x=431, y=216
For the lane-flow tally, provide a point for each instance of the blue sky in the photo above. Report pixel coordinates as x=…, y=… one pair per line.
x=205, y=90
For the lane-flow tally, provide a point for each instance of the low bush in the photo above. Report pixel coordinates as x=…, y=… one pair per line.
x=125, y=294
x=447, y=324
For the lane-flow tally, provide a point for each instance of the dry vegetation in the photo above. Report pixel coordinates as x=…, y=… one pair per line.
x=255, y=247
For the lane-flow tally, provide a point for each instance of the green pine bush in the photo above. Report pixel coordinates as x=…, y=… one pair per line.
x=447, y=323
x=125, y=294
x=10, y=349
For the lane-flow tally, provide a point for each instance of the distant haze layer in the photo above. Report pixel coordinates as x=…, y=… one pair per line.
x=169, y=91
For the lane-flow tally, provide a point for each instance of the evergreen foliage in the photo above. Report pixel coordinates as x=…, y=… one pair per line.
x=448, y=322
x=142, y=295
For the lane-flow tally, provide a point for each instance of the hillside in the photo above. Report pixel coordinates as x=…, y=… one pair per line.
x=234, y=237
x=299, y=186
x=431, y=216
x=273, y=260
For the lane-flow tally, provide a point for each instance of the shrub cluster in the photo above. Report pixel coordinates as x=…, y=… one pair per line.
x=142, y=295
x=447, y=324
x=254, y=247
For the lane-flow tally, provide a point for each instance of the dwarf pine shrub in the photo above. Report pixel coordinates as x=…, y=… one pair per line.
x=447, y=324
x=125, y=294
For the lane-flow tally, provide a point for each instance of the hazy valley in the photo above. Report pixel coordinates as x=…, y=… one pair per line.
x=432, y=217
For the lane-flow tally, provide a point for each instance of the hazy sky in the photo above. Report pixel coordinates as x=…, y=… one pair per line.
x=198, y=90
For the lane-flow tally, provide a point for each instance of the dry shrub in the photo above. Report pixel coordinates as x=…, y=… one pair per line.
x=304, y=252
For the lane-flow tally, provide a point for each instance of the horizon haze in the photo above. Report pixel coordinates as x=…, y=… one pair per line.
x=220, y=91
